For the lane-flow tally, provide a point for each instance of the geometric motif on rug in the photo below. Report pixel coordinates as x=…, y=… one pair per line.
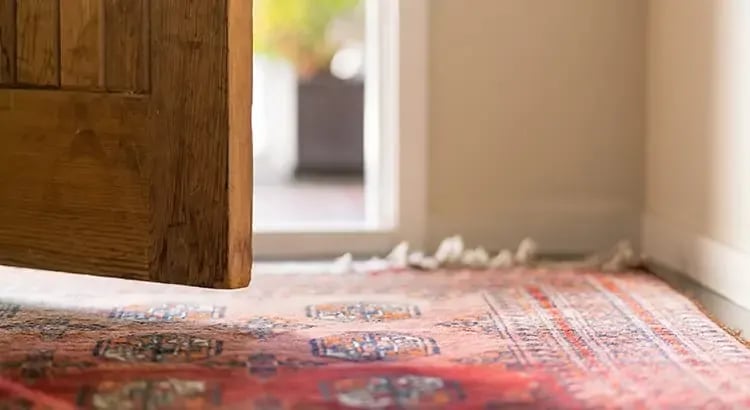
x=397, y=392
x=492, y=357
x=40, y=365
x=270, y=403
x=169, y=313
x=478, y=324
x=158, y=348
x=362, y=311
x=16, y=403
x=150, y=394
x=263, y=327
x=262, y=365
x=505, y=339
x=8, y=310
x=50, y=329
x=366, y=346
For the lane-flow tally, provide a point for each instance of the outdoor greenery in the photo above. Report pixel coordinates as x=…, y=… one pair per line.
x=296, y=30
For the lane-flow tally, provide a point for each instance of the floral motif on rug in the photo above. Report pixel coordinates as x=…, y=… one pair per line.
x=515, y=339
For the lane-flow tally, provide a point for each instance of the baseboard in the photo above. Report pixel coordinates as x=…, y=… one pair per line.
x=714, y=265
x=575, y=228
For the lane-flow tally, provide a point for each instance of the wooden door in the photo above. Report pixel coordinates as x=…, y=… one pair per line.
x=125, y=144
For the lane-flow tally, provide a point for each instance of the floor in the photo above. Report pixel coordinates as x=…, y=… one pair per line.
x=309, y=203
x=722, y=309
x=517, y=338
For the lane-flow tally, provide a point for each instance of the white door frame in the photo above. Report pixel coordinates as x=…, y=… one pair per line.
x=395, y=140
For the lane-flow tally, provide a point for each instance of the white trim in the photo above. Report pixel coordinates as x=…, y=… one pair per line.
x=381, y=110
x=711, y=263
x=413, y=119
x=399, y=151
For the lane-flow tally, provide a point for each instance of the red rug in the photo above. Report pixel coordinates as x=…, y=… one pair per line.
x=486, y=340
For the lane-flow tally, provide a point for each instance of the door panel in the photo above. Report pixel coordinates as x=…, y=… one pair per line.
x=80, y=24
x=125, y=139
x=126, y=45
x=37, y=45
x=74, y=184
x=7, y=41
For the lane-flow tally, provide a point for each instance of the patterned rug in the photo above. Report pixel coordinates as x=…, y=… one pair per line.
x=518, y=339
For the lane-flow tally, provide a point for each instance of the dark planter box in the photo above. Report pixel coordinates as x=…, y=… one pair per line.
x=330, y=133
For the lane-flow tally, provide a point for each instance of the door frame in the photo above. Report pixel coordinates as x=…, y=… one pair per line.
x=396, y=140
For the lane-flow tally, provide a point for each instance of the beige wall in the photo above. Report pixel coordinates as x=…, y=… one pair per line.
x=698, y=141
x=536, y=121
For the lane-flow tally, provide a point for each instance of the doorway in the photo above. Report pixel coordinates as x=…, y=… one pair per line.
x=326, y=125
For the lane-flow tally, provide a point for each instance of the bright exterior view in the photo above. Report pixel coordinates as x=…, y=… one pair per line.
x=308, y=113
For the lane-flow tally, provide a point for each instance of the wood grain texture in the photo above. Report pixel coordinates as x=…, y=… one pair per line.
x=126, y=45
x=74, y=190
x=37, y=45
x=240, y=143
x=152, y=186
x=7, y=42
x=80, y=44
x=189, y=114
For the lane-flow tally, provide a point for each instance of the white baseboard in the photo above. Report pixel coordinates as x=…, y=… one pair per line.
x=715, y=265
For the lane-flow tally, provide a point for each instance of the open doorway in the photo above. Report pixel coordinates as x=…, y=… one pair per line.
x=326, y=125
x=309, y=113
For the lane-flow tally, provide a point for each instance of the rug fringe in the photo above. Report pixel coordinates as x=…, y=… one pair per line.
x=453, y=254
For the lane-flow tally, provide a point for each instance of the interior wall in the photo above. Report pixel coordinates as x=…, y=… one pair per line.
x=697, y=203
x=536, y=121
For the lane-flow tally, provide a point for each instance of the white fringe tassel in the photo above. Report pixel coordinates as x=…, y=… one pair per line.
x=452, y=254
